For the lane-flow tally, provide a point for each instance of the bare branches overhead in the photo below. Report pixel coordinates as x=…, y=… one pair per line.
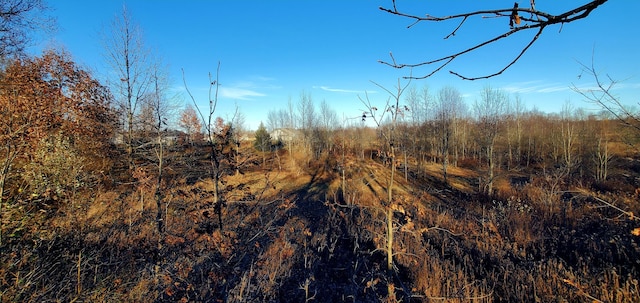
x=519, y=19
x=601, y=94
x=19, y=19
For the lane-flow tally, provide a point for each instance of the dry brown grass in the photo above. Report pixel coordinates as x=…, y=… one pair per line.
x=291, y=234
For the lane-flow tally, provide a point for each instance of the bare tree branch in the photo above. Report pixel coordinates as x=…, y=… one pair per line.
x=602, y=95
x=19, y=20
x=508, y=65
x=215, y=148
x=536, y=20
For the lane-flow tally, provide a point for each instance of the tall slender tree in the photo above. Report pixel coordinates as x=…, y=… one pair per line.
x=128, y=56
x=393, y=108
x=161, y=109
x=449, y=105
x=568, y=137
x=237, y=123
x=489, y=112
x=215, y=150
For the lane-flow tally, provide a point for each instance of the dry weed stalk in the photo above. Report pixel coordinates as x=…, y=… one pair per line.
x=307, y=292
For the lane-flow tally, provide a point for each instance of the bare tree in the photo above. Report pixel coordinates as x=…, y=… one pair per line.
x=328, y=116
x=516, y=110
x=278, y=119
x=489, y=110
x=285, y=119
x=568, y=137
x=237, y=123
x=427, y=128
x=520, y=19
x=601, y=155
x=128, y=57
x=393, y=108
x=306, y=112
x=328, y=122
x=420, y=104
x=602, y=95
x=308, y=125
x=215, y=170
x=162, y=111
x=291, y=115
x=19, y=20
x=145, y=120
x=273, y=122
x=414, y=103
x=449, y=104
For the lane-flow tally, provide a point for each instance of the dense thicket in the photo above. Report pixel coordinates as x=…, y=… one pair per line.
x=57, y=126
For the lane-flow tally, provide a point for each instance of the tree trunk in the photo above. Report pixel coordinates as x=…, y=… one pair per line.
x=491, y=160
x=390, y=210
x=215, y=175
x=406, y=167
x=158, y=194
x=389, y=240
x=445, y=157
x=6, y=167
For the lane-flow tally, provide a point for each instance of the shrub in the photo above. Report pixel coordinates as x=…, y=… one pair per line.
x=55, y=168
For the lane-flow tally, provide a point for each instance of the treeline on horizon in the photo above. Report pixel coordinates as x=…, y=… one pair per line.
x=495, y=128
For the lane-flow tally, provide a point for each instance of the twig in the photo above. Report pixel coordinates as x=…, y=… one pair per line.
x=624, y=212
x=534, y=39
x=537, y=19
x=440, y=229
x=581, y=291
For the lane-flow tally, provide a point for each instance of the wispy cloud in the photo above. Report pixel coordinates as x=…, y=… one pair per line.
x=553, y=89
x=264, y=78
x=535, y=87
x=239, y=93
x=341, y=90
x=623, y=85
x=252, y=87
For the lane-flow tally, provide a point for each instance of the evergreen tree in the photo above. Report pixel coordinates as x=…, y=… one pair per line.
x=263, y=139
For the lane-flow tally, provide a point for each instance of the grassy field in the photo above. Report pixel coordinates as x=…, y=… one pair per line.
x=295, y=230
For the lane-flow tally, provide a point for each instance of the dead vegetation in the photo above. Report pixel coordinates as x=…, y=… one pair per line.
x=291, y=234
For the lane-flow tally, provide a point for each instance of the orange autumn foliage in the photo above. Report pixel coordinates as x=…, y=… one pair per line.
x=190, y=122
x=50, y=104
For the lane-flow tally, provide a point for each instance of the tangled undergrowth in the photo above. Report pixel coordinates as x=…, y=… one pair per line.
x=293, y=232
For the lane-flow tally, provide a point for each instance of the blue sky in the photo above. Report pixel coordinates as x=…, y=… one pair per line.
x=272, y=51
